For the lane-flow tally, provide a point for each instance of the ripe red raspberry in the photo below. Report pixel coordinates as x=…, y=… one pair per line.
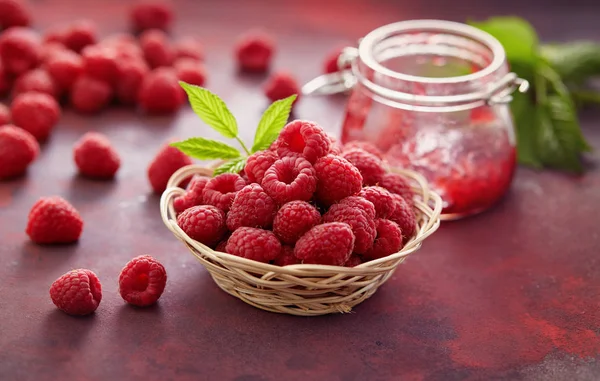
x=221, y=190
x=190, y=71
x=254, y=51
x=157, y=48
x=338, y=179
x=294, y=219
x=51, y=49
x=353, y=261
x=165, y=163
x=131, y=75
x=188, y=47
x=365, y=146
x=4, y=114
x=142, y=281
x=289, y=179
x=80, y=34
x=304, y=138
x=258, y=163
x=255, y=244
x=203, y=223
x=362, y=204
x=160, y=92
x=282, y=85
x=5, y=81
x=19, y=50
x=388, y=241
x=398, y=184
x=382, y=200
x=54, y=220
x=37, y=113
x=286, y=257
x=151, y=14
x=326, y=244
x=14, y=13
x=77, y=292
x=64, y=68
x=370, y=167
x=95, y=156
x=35, y=80
x=18, y=149
x=251, y=207
x=363, y=227
x=125, y=45
x=193, y=194
x=90, y=95
x=101, y=62
x=404, y=216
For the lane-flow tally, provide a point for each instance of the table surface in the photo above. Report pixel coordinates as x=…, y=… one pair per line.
x=509, y=294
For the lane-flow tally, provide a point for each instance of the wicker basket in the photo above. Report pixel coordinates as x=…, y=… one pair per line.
x=305, y=290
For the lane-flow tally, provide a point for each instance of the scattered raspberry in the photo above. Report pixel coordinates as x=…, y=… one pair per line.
x=338, y=179
x=282, y=85
x=18, y=148
x=222, y=246
x=125, y=45
x=77, y=292
x=101, y=62
x=14, y=13
x=370, y=167
x=363, y=227
x=258, y=163
x=286, y=257
x=160, y=92
x=326, y=244
x=388, y=241
x=251, y=207
x=142, y=281
x=157, y=48
x=294, y=219
x=5, y=81
x=188, y=47
x=255, y=244
x=221, y=190
x=37, y=113
x=193, y=194
x=64, y=68
x=404, y=216
x=398, y=184
x=382, y=200
x=35, y=80
x=151, y=15
x=80, y=34
x=203, y=223
x=90, y=95
x=95, y=156
x=289, y=179
x=50, y=49
x=254, y=51
x=131, y=75
x=19, y=50
x=353, y=261
x=365, y=146
x=4, y=114
x=305, y=138
x=336, y=147
x=362, y=204
x=190, y=71
x=54, y=220
x=165, y=163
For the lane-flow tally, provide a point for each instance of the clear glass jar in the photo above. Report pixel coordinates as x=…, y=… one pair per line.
x=433, y=96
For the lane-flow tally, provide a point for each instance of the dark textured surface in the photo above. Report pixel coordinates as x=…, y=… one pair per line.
x=510, y=294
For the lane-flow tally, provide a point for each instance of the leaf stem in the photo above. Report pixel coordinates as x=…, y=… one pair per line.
x=243, y=145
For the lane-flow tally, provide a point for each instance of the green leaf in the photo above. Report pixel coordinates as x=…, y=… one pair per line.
x=206, y=149
x=525, y=127
x=211, y=109
x=575, y=62
x=271, y=123
x=233, y=166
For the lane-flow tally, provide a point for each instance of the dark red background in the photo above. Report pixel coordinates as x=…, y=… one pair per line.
x=510, y=294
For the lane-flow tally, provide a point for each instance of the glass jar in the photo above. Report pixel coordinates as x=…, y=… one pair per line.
x=434, y=97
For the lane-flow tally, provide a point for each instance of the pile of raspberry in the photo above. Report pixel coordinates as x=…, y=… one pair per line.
x=306, y=199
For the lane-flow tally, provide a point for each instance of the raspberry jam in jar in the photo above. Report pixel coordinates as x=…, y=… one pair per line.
x=433, y=96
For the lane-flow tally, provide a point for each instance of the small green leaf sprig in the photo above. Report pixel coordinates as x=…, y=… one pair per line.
x=214, y=112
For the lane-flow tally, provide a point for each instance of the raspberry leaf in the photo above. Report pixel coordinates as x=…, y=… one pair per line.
x=206, y=149
x=271, y=123
x=233, y=166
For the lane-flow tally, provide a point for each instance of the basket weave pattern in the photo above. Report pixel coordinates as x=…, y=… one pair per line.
x=305, y=290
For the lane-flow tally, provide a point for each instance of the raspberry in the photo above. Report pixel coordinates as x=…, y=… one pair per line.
x=165, y=163
x=50, y=49
x=160, y=92
x=363, y=227
x=37, y=113
x=251, y=207
x=35, y=80
x=18, y=148
x=222, y=246
x=90, y=95
x=95, y=157
x=286, y=257
x=388, y=241
x=157, y=48
x=382, y=200
x=64, y=68
x=365, y=146
x=80, y=34
x=404, y=216
x=258, y=163
x=54, y=220
x=305, y=138
x=4, y=114
x=361, y=204
x=254, y=51
x=190, y=71
x=131, y=75
x=326, y=244
x=370, y=167
x=19, y=50
x=14, y=13
x=193, y=194
x=336, y=147
x=203, y=223
x=353, y=261
x=125, y=45
x=294, y=219
x=77, y=292
x=282, y=85
x=101, y=62
x=398, y=184
x=338, y=179
x=221, y=190
x=151, y=15
x=330, y=64
x=289, y=179
x=255, y=244
x=142, y=281
x=188, y=47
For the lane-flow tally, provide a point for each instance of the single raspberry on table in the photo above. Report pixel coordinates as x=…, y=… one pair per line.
x=258, y=163
x=203, y=223
x=101, y=62
x=363, y=227
x=304, y=138
x=157, y=48
x=251, y=207
x=54, y=220
x=77, y=292
x=382, y=200
x=14, y=13
x=281, y=85
x=38, y=80
x=337, y=179
x=90, y=95
x=360, y=203
x=4, y=114
x=151, y=14
x=290, y=178
x=188, y=47
x=365, y=146
x=353, y=261
x=294, y=219
x=167, y=160
x=160, y=92
x=64, y=68
x=254, y=51
x=80, y=34
x=193, y=194
x=142, y=281
x=255, y=244
x=95, y=156
x=404, y=216
x=370, y=166
x=37, y=113
x=327, y=244
x=221, y=190
x=398, y=184
x=20, y=50
x=286, y=257
x=388, y=240
x=18, y=149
